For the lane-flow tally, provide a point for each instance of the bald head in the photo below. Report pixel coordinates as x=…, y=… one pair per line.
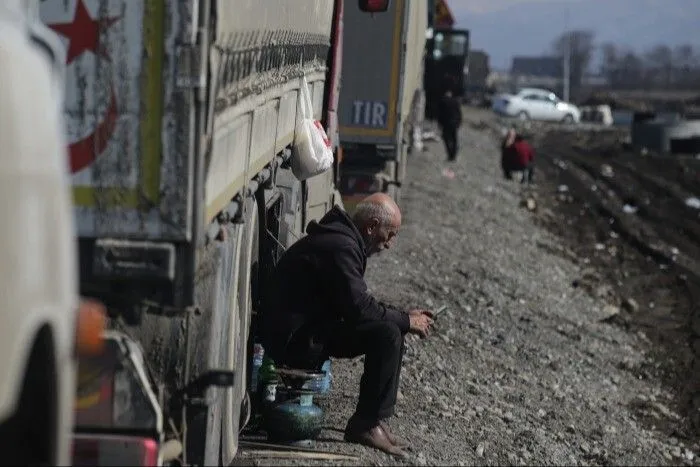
x=379, y=206
x=378, y=218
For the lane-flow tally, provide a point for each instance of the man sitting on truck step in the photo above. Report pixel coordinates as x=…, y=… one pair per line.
x=318, y=305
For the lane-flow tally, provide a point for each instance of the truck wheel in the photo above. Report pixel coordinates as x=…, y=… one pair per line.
x=241, y=313
x=568, y=119
x=523, y=116
x=29, y=436
x=216, y=295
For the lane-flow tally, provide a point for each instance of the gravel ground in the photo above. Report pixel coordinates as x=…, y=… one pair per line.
x=521, y=368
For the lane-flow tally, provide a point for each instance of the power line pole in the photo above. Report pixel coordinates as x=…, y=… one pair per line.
x=567, y=56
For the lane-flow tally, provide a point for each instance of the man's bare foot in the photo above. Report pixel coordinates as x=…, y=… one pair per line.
x=395, y=440
x=372, y=436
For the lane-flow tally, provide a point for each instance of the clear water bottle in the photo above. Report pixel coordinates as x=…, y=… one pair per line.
x=326, y=381
x=258, y=355
x=321, y=385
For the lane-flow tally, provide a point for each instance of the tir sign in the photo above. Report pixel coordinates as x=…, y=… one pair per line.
x=374, y=6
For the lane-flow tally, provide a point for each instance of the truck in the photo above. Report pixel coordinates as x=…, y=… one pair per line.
x=181, y=118
x=381, y=97
x=478, y=92
x=43, y=326
x=447, y=51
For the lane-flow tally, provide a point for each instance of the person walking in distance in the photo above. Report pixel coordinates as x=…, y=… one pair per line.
x=450, y=119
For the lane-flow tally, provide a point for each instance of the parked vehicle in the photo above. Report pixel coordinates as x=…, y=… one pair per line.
x=478, y=96
x=381, y=101
x=42, y=328
x=536, y=104
x=600, y=114
x=478, y=93
x=447, y=53
x=181, y=115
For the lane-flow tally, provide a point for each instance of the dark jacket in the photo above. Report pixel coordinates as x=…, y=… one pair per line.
x=449, y=112
x=319, y=282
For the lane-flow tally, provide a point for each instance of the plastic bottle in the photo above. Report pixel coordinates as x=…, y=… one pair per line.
x=258, y=354
x=326, y=385
x=267, y=379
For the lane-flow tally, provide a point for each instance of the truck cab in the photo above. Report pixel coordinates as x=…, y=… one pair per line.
x=447, y=55
x=38, y=276
x=380, y=105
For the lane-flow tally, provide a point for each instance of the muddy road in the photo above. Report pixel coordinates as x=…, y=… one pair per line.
x=549, y=352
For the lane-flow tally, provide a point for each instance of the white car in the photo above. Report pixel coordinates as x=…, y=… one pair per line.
x=40, y=315
x=536, y=104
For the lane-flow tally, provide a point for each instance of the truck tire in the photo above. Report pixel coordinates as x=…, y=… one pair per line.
x=241, y=315
x=29, y=436
x=211, y=341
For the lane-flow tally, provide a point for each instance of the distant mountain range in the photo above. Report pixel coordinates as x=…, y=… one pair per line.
x=504, y=28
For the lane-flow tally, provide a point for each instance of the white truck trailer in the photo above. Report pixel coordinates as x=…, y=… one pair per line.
x=381, y=100
x=181, y=115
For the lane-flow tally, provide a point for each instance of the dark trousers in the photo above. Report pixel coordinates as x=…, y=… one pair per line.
x=382, y=344
x=527, y=170
x=449, y=136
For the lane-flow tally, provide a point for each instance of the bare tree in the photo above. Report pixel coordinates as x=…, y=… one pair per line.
x=660, y=59
x=684, y=56
x=631, y=71
x=611, y=62
x=685, y=64
x=625, y=68
x=579, y=44
x=611, y=55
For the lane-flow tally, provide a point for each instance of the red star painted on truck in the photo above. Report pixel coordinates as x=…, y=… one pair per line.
x=83, y=33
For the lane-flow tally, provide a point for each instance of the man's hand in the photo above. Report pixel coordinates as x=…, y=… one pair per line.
x=421, y=320
x=421, y=311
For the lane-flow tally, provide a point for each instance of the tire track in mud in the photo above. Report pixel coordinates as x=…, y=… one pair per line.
x=655, y=232
x=625, y=180
x=653, y=221
x=608, y=205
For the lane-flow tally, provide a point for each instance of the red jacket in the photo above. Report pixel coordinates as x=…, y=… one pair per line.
x=520, y=154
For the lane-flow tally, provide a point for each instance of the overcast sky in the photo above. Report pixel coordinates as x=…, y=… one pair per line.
x=504, y=28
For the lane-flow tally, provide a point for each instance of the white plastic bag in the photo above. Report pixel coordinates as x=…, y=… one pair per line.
x=311, y=150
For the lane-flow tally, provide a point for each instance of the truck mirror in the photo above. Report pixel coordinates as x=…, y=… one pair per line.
x=374, y=6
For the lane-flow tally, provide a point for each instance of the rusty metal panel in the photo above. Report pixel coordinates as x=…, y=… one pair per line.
x=125, y=119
